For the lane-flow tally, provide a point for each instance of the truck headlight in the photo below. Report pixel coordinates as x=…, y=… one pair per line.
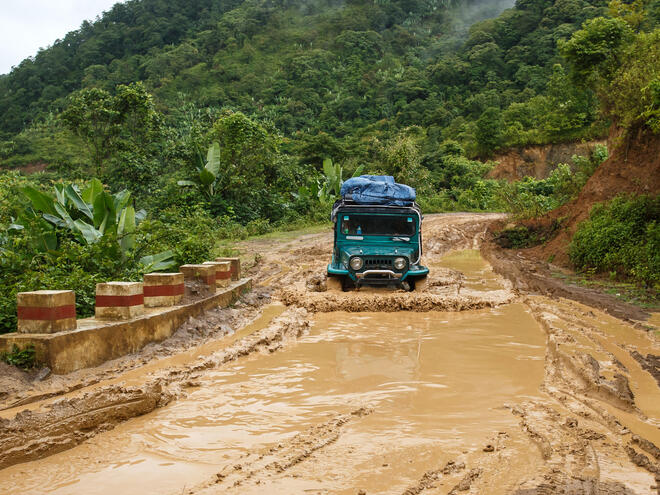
x=356, y=263
x=399, y=263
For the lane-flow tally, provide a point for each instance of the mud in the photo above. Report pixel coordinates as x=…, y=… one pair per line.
x=51, y=426
x=529, y=275
x=393, y=302
x=486, y=382
x=279, y=420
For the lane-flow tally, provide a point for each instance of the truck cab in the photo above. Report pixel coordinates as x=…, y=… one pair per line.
x=376, y=245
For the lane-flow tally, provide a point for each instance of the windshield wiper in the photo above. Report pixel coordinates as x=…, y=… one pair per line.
x=398, y=238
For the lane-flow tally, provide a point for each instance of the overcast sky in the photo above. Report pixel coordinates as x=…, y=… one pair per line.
x=27, y=25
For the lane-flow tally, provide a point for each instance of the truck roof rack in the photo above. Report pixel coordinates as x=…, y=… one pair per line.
x=347, y=204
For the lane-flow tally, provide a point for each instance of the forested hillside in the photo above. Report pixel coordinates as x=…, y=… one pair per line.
x=208, y=119
x=330, y=73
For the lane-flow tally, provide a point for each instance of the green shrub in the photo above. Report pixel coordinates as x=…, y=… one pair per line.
x=22, y=358
x=621, y=236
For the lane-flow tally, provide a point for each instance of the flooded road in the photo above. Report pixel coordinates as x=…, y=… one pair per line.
x=436, y=382
x=527, y=396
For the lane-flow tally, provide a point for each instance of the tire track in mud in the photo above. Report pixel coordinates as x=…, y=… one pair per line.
x=68, y=422
x=255, y=468
x=581, y=434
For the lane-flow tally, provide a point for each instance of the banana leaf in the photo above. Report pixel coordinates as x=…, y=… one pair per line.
x=78, y=202
x=158, y=262
x=126, y=229
x=121, y=199
x=91, y=192
x=213, y=159
x=89, y=233
x=40, y=201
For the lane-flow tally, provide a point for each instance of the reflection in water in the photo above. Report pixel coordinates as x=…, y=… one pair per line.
x=437, y=383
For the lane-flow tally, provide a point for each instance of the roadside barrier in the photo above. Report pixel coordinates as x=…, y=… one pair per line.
x=128, y=315
x=200, y=279
x=46, y=311
x=235, y=267
x=222, y=272
x=119, y=300
x=163, y=289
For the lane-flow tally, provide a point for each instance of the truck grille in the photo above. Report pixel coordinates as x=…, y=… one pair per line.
x=378, y=263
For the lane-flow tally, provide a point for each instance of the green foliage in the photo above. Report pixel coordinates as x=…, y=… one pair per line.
x=22, y=358
x=530, y=198
x=523, y=236
x=207, y=172
x=621, y=65
x=108, y=123
x=190, y=234
x=327, y=75
x=596, y=50
x=621, y=236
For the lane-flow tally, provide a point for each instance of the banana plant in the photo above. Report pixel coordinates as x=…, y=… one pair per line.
x=328, y=187
x=88, y=215
x=208, y=172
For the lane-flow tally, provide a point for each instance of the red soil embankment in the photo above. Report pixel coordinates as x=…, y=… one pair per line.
x=537, y=161
x=633, y=167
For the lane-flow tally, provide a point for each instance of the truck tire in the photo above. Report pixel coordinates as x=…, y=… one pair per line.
x=334, y=284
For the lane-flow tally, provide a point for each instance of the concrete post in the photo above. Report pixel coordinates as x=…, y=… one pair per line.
x=199, y=279
x=119, y=300
x=222, y=272
x=46, y=311
x=235, y=267
x=163, y=289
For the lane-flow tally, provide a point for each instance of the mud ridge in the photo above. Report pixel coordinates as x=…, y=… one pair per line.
x=31, y=436
x=391, y=302
x=67, y=422
x=533, y=276
x=430, y=478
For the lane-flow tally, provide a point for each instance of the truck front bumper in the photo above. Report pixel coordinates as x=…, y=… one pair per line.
x=379, y=276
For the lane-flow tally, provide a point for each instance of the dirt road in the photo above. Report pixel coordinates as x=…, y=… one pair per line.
x=473, y=386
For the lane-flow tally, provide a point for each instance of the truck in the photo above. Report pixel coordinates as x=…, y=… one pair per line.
x=377, y=229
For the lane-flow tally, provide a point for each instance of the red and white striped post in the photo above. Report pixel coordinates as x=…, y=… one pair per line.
x=119, y=300
x=199, y=279
x=163, y=289
x=222, y=272
x=235, y=267
x=46, y=311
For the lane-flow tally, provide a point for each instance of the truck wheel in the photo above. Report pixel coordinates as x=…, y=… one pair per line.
x=420, y=284
x=334, y=284
x=347, y=284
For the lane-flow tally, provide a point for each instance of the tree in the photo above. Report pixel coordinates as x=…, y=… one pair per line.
x=489, y=131
x=91, y=114
x=107, y=123
x=595, y=51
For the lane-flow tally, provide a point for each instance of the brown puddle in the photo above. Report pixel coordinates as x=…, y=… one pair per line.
x=437, y=383
x=478, y=273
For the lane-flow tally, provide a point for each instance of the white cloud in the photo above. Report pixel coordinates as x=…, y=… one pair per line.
x=27, y=25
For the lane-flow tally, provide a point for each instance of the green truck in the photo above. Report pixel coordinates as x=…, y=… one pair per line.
x=376, y=243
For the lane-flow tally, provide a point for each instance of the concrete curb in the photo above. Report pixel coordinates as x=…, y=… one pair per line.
x=96, y=341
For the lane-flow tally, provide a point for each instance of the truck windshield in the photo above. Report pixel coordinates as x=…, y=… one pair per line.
x=377, y=225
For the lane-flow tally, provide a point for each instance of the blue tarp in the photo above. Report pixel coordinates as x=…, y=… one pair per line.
x=377, y=189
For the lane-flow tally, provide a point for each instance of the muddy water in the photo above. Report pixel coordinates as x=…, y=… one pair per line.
x=478, y=273
x=437, y=383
